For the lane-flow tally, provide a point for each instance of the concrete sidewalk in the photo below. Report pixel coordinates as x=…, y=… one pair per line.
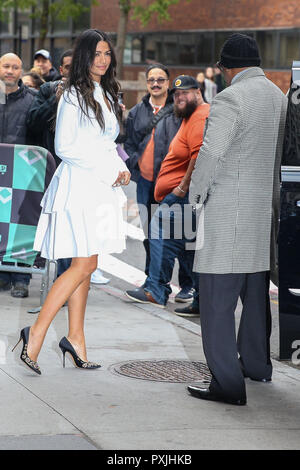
x=79, y=409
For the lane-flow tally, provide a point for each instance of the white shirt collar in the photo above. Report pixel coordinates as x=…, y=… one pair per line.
x=155, y=106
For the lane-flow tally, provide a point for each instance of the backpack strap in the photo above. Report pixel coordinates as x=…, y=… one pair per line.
x=167, y=109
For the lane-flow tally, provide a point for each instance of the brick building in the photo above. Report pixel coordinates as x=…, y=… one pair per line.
x=193, y=37
x=189, y=41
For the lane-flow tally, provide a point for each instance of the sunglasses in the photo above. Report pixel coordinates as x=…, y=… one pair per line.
x=160, y=81
x=219, y=66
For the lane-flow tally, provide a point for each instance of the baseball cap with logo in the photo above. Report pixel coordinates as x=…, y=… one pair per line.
x=184, y=82
x=44, y=53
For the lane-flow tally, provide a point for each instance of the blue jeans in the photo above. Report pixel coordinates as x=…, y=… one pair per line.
x=171, y=228
x=146, y=202
x=62, y=265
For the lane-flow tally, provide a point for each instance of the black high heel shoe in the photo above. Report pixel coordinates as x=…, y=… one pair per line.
x=24, y=335
x=66, y=346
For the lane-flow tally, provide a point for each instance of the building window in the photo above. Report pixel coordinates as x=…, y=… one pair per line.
x=204, y=45
x=220, y=38
x=170, y=55
x=289, y=48
x=267, y=41
x=7, y=23
x=127, y=51
x=137, y=51
x=187, y=49
x=153, y=49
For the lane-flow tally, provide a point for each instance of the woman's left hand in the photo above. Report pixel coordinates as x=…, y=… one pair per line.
x=123, y=178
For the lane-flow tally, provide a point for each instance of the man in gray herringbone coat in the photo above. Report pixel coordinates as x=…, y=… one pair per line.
x=236, y=178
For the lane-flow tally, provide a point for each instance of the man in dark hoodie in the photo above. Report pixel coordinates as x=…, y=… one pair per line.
x=42, y=60
x=15, y=102
x=150, y=127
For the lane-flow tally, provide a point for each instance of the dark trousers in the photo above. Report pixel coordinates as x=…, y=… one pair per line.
x=219, y=294
x=147, y=203
x=167, y=240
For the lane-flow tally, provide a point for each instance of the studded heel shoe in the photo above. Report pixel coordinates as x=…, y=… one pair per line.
x=66, y=346
x=24, y=336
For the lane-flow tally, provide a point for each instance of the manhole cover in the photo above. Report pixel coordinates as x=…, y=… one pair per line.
x=165, y=371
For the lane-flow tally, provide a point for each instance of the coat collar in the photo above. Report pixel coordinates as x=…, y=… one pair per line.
x=18, y=93
x=250, y=73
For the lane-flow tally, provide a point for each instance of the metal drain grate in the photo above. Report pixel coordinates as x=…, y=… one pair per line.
x=165, y=371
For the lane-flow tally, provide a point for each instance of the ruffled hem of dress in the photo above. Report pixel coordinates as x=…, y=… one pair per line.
x=72, y=235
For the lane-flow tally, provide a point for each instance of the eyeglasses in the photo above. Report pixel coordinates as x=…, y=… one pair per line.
x=160, y=81
x=219, y=66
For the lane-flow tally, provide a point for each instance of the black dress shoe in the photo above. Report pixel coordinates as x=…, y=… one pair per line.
x=258, y=380
x=246, y=376
x=206, y=394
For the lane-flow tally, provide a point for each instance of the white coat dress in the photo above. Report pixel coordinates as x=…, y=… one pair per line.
x=81, y=211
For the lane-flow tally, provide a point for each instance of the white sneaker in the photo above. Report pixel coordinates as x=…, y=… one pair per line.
x=98, y=278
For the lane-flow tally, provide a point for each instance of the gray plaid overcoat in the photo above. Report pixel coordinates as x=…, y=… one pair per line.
x=237, y=173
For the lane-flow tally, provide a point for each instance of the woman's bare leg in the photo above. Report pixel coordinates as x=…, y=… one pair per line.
x=62, y=289
x=76, y=310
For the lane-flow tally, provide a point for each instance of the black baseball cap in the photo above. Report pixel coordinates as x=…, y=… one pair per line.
x=184, y=82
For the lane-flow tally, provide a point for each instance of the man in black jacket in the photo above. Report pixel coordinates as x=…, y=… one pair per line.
x=43, y=109
x=15, y=102
x=150, y=127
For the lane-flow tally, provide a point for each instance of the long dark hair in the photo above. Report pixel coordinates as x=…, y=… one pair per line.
x=80, y=78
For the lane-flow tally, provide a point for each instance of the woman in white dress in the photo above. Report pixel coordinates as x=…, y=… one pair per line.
x=82, y=207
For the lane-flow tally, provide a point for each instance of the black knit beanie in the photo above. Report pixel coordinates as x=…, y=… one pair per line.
x=240, y=51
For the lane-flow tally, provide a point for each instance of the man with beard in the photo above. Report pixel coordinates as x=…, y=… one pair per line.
x=168, y=230
x=150, y=128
